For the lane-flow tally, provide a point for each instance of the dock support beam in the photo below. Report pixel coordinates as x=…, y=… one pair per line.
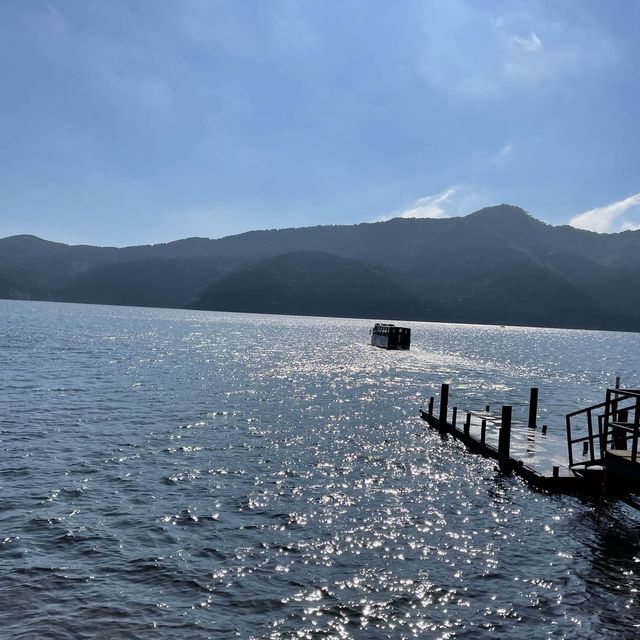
x=504, y=439
x=444, y=405
x=533, y=408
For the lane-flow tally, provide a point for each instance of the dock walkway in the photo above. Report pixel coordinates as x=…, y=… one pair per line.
x=519, y=447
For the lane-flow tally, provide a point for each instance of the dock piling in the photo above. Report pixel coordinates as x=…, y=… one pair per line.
x=444, y=405
x=533, y=407
x=504, y=439
x=618, y=421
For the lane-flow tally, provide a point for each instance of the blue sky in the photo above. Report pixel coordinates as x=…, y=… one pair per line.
x=134, y=121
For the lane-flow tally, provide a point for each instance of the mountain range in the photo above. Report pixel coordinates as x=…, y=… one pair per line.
x=498, y=265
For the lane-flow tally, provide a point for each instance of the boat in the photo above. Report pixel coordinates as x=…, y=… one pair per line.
x=388, y=336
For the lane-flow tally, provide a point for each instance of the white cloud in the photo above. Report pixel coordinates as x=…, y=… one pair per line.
x=605, y=219
x=428, y=206
x=455, y=200
x=530, y=44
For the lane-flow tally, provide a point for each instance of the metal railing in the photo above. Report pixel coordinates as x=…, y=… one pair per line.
x=607, y=427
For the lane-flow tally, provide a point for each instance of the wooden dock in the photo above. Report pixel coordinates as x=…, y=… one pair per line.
x=519, y=447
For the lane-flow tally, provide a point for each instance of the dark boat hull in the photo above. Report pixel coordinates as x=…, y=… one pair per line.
x=388, y=336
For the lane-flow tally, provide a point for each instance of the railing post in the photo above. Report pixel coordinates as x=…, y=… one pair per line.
x=590, y=429
x=431, y=406
x=569, y=443
x=467, y=425
x=504, y=439
x=454, y=418
x=483, y=432
x=604, y=430
x=444, y=405
x=612, y=415
x=636, y=423
x=533, y=408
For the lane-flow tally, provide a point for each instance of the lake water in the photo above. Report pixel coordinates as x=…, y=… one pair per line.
x=179, y=474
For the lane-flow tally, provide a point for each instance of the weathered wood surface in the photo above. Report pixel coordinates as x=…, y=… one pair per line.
x=533, y=456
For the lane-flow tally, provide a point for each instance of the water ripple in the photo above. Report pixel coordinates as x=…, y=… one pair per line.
x=186, y=474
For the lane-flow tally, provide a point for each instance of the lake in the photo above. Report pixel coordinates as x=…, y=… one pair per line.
x=181, y=474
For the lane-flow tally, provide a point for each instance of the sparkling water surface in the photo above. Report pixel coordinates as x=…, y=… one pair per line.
x=179, y=474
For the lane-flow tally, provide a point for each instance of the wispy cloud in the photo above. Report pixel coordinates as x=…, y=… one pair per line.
x=507, y=53
x=455, y=200
x=607, y=219
x=432, y=206
x=531, y=43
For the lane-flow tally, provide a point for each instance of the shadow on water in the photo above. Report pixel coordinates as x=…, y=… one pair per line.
x=606, y=562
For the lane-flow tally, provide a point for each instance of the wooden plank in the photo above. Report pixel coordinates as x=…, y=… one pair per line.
x=562, y=481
